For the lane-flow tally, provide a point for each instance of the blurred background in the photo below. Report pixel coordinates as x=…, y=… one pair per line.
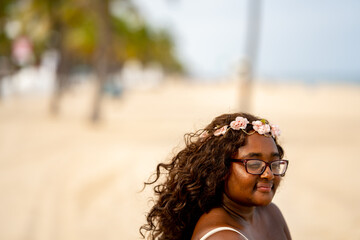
x=95, y=93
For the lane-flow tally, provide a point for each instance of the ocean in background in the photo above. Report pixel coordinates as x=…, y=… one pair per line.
x=305, y=78
x=312, y=78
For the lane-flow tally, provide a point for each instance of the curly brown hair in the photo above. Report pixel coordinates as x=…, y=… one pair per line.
x=195, y=179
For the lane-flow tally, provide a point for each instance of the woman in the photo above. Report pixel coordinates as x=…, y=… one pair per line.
x=220, y=186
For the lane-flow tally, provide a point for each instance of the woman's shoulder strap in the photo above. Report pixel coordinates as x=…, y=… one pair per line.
x=218, y=229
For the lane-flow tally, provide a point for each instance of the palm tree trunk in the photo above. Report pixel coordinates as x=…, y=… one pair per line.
x=102, y=54
x=251, y=51
x=62, y=71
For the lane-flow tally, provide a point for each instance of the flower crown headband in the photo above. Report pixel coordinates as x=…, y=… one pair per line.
x=240, y=123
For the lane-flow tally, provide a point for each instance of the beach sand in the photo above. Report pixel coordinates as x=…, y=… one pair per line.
x=62, y=178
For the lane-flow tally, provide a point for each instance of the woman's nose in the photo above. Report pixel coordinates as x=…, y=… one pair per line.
x=268, y=174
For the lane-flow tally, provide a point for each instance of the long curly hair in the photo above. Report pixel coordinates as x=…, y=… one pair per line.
x=194, y=180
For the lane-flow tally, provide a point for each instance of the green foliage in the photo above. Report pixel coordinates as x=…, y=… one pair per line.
x=5, y=42
x=145, y=44
x=70, y=25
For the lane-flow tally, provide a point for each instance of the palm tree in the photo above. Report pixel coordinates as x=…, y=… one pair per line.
x=102, y=52
x=6, y=67
x=86, y=32
x=251, y=49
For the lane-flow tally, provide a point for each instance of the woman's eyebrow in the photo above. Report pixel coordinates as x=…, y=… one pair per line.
x=253, y=154
x=275, y=154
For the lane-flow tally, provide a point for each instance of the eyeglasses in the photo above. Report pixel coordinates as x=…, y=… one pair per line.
x=257, y=166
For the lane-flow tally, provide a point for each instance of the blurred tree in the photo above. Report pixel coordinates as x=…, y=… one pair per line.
x=45, y=23
x=102, y=51
x=251, y=51
x=5, y=42
x=101, y=34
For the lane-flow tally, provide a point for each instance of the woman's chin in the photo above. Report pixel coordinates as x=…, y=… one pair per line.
x=264, y=200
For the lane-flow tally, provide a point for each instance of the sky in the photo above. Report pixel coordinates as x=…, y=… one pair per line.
x=298, y=39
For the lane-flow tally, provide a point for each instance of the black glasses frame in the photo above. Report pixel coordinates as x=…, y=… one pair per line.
x=267, y=164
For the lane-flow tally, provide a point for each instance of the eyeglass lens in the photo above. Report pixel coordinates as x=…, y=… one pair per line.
x=258, y=167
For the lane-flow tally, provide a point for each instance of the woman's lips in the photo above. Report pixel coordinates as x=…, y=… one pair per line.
x=264, y=187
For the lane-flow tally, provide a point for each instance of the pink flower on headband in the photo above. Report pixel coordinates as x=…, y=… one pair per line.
x=261, y=127
x=239, y=123
x=275, y=130
x=221, y=131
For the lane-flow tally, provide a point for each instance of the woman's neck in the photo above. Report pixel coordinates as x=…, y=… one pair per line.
x=238, y=212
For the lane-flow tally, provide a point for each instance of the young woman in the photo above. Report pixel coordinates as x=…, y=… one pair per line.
x=220, y=186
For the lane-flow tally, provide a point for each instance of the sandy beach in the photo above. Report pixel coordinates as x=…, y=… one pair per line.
x=62, y=178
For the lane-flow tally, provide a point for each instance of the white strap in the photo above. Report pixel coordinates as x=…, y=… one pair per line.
x=215, y=230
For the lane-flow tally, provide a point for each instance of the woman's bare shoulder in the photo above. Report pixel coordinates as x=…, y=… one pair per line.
x=272, y=212
x=272, y=216
x=216, y=218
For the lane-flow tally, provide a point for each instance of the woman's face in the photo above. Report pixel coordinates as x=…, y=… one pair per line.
x=253, y=190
